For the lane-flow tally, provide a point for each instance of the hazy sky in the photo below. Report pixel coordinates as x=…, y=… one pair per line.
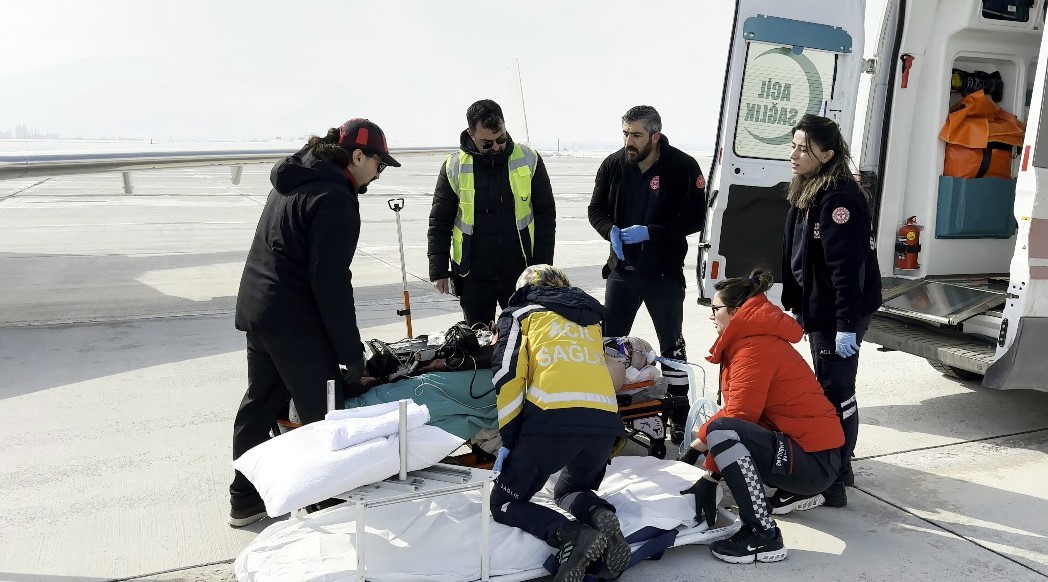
x=258, y=69
x=239, y=70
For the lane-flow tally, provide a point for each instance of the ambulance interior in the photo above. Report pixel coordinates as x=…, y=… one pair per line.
x=956, y=285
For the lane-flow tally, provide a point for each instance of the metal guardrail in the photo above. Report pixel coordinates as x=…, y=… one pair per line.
x=35, y=165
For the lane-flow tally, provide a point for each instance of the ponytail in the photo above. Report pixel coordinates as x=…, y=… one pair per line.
x=737, y=290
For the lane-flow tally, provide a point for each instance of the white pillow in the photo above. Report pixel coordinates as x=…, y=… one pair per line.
x=298, y=468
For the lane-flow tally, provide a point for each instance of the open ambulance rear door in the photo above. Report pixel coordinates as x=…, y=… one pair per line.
x=786, y=59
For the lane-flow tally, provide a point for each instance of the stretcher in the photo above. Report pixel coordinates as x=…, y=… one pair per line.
x=435, y=525
x=398, y=502
x=644, y=418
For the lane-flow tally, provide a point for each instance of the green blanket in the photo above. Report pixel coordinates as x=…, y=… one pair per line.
x=447, y=395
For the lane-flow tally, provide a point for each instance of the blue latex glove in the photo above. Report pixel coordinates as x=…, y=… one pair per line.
x=616, y=242
x=499, y=459
x=846, y=344
x=635, y=234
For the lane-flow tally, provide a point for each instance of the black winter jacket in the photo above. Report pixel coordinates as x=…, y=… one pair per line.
x=296, y=279
x=495, y=249
x=680, y=205
x=842, y=280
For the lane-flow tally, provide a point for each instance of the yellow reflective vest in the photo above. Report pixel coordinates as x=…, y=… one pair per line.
x=459, y=166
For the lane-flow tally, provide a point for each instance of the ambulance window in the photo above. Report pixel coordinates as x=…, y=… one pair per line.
x=1010, y=10
x=779, y=85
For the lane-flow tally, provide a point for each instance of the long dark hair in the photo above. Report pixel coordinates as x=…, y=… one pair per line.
x=825, y=133
x=327, y=147
x=737, y=290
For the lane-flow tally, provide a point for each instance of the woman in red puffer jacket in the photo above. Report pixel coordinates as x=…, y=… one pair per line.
x=776, y=426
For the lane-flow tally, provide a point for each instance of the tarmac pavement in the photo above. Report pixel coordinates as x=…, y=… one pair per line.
x=122, y=372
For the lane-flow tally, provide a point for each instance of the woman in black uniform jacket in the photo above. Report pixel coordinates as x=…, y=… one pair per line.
x=831, y=280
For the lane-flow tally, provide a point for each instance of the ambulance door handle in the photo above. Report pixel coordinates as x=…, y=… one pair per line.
x=907, y=62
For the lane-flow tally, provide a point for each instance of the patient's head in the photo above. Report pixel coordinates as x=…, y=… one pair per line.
x=543, y=275
x=732, y=293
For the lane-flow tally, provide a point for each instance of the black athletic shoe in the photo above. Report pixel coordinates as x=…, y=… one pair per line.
x=247, y=515
x=578, y=546
x=617, y=552
x=784, y=502
x=835, y=495
x=749, y=544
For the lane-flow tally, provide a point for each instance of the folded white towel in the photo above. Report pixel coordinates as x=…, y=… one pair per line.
x=353, y=431
x=363, y=411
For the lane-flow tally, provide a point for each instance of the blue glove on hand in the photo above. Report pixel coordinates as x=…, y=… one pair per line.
x=616, y=242
x=499, y=459
x=846, y=344
x=635, y=234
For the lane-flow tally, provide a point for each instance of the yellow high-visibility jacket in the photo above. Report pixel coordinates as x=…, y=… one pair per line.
x=549, y=369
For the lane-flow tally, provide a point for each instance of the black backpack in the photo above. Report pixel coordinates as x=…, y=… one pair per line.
x=380, y=361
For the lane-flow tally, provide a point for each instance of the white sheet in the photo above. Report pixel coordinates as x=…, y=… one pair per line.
x=299, y=468
x=438, y=539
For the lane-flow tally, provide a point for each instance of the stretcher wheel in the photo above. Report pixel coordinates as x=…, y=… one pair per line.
x=657, y=449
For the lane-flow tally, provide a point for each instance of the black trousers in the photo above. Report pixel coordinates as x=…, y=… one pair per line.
x=837, y=376
x=663, y=296
x=479, y=297
x=280, y=367
x=584, y=460
x=748, y=455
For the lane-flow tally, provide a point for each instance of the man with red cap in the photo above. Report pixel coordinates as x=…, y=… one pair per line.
x=296, y=294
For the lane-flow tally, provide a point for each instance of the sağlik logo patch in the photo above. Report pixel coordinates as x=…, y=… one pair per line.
x=655, y=183
x=840, y=215
x=700, y=182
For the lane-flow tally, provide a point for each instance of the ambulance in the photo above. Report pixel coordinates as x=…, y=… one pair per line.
x=964, y=260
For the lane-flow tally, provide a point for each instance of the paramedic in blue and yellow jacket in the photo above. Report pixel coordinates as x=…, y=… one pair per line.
x=493, y=214
x=557, y=410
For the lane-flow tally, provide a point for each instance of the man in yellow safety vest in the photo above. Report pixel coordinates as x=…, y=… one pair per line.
x=493, y=215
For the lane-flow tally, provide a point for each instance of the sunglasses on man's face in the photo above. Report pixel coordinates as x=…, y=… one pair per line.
x=487, y=144
x=381, y=165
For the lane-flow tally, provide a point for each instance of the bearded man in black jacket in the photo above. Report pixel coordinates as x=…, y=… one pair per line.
x=647, y=198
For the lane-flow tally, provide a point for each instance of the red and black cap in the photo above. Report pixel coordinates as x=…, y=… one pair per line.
x=362, y=133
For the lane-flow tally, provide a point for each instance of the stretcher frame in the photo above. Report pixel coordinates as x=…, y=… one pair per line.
x=443, y=479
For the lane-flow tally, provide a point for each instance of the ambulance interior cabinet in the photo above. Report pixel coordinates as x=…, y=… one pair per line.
x=975, y=208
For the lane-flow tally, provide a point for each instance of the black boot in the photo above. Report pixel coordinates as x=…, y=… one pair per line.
x=836, y=495
x=617, y=552
x=578, y=546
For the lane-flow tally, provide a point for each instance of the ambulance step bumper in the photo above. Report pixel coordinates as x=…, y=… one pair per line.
x=945, y=346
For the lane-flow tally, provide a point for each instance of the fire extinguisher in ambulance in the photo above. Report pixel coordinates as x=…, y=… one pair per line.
x=908, y=245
